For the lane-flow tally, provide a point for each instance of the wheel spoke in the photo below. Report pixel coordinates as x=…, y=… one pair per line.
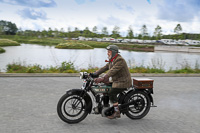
x=140, y=106
x=79, y=108
x=71, y=108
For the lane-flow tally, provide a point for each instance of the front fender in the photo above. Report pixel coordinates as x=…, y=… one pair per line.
x=85, y=95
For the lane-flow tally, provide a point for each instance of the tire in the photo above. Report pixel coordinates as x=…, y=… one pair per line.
x=72, y=108
x=140, y=107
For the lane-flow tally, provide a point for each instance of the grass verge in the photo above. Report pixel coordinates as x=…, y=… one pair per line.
x=68, y=67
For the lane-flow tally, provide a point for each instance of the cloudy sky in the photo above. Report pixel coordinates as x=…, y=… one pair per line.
x=42, y=14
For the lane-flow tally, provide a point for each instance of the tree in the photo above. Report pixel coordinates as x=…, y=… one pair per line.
x=144, y=32
x=178, y=29
x=29, y=33
x=86, y=32
x=130, y=33
x=62, y=32
x=8, y=28
x=50, y=32
x=44, y=33
x=158, y=32
x=69, y=29
x=55, y=32
x=94, y=30
x=76, y=29
x=86, y=28
x=19, y=32
x=104, y=31
x=1, y=30
x=115, y=32
x=73, y=34
x=139, y=36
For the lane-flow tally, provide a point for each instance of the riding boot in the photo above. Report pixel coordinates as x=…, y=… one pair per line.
x=116, y=114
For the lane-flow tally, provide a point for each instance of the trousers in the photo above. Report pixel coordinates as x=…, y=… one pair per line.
x=113, y=94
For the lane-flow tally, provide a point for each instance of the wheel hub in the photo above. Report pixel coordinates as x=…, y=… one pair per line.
x=73, y=106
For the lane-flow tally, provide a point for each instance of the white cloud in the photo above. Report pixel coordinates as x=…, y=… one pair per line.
x=125, y=7
x=32, y=14
x=104, y=13
x=31, y=3
x=179, y=10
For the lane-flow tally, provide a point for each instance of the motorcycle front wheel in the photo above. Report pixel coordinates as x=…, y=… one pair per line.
x=140, y=107
x=71, y=108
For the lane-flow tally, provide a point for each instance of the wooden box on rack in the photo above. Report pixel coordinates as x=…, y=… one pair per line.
x=142, y=83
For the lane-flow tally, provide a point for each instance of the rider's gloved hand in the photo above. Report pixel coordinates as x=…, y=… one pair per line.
x=94, y=75
x=104, y=79
x=99, y=80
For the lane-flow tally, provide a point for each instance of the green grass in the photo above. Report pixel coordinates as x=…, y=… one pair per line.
x=142, y=69
x=46, y=41
x=195, y=45
x=34, y=40
x=73, y=45
x=7, y=42
x=185, y=70
x=2, y=50
x=68, y=67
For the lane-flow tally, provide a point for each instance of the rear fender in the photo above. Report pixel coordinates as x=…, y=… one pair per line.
x=122, y=96
x=86, y=97
x=148, y=92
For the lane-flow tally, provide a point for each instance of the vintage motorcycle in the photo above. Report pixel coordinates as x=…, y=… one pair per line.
x=76, y=104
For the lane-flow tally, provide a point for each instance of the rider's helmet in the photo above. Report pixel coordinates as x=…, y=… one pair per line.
x=114, y=49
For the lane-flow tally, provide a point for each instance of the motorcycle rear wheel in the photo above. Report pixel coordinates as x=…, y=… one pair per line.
x=141, y=105
x=71, y=108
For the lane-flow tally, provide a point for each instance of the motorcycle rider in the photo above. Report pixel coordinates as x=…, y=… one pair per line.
x=118, y=74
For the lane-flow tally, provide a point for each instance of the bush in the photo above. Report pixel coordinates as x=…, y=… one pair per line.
x=16, y=68
x=34, y=69
x=67, y=67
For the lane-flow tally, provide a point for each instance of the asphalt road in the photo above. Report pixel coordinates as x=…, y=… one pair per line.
x=28, y=105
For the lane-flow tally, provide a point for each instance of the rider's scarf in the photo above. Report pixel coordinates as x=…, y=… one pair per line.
x=111, y=60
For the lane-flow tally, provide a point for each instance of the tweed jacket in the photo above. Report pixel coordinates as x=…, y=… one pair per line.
x=119, y=72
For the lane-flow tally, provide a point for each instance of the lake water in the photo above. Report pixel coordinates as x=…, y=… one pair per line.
x=49, y=56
